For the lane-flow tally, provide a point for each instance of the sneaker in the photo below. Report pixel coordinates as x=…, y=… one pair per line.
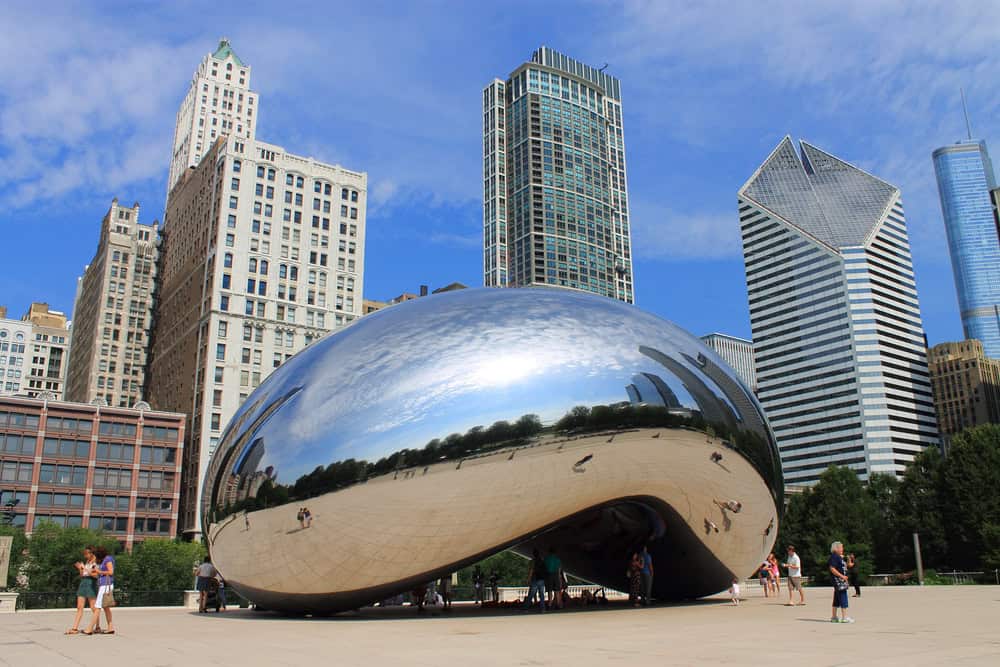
x=847, y=620
x=835, y=620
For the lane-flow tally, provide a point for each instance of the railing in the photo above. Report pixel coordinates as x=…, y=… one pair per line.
x=125, y=598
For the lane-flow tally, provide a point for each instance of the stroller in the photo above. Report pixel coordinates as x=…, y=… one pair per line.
x=212, y=597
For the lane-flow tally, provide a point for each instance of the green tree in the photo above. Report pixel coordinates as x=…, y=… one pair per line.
x=511, y=569
x=837, y=508
x=17, y=548
x=969, y=481
x=887, y=554
x=159, y=565
x=52, y=551
x=917, y=509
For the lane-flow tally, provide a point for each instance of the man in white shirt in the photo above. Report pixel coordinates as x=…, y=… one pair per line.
x=794, y=566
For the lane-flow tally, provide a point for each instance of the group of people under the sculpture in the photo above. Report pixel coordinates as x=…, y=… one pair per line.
x=95, y=591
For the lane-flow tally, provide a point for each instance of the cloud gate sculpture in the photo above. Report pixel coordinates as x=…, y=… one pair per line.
x=431, y=434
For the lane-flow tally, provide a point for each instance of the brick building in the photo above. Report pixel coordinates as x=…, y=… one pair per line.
x=82, y=465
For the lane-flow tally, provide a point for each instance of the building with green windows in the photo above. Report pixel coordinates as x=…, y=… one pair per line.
x=555, y=201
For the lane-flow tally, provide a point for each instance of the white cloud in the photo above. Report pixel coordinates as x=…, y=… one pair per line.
x=660, y=233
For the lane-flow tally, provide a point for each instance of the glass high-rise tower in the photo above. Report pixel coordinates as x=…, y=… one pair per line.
x=838, y=341
x=555, y=205
x=965, y=179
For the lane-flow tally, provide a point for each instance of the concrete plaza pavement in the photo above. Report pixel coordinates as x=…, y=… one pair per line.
x=935, y=625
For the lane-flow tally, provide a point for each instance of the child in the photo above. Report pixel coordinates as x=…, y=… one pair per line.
x=734, y=591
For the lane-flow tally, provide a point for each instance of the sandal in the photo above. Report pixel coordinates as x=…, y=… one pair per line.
x=72, y=631
x=109, y=632
x=84, y=632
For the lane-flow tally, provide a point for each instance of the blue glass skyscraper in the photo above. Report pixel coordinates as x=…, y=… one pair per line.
x=965, y=179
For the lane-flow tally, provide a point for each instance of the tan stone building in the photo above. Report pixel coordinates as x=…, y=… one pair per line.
x=113, y=312
x=966, y=386
x=371, y=305
x=47, y=354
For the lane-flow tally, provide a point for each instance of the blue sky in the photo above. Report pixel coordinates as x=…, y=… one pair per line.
x=88, y=96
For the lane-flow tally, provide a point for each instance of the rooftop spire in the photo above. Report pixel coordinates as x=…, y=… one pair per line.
x=225, y=50
x=965, y=110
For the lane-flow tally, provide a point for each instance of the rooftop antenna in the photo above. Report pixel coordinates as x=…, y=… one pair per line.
x=965, y=110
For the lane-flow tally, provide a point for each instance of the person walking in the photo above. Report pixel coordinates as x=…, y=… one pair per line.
x=647, y=575
x=536, y=581
x=794, y=566
x=444, y=588
x=838, y=571
x=553, y=579
x=86, y=591
x=206, y=572
x=477, y=584
x=105, y=591
x=301, y=518
x=222, y=591
x=495, y=586
x=634, y=574
x=764, y=578
x=775, y=574
x=853, y=574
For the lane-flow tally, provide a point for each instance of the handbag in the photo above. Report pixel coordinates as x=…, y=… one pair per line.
x=109, y=600
x=840, y=584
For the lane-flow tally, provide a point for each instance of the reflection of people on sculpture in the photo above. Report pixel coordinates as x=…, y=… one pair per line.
x=733, y=506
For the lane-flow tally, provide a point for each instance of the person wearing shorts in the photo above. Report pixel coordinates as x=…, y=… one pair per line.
x=553, y=579
x=206, y=572
x=794, y=566
x=105, y=590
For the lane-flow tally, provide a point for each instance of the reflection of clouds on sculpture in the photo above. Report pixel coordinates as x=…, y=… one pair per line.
x=439, y=365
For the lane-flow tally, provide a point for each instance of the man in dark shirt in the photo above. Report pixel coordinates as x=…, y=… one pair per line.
x=838, y=571
x=647, y=576
x=536, y=581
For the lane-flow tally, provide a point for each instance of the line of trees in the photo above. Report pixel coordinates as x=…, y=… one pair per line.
x=44, y=561
x=951, y=501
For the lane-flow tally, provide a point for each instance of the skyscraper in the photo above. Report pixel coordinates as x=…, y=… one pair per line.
x=838, y=340
x=113, y=312
x=966, y=386
x=47, y=354
x=219, y=102
x=555, y=202
x=262, y=253
x=965, y=178
x=738, y=353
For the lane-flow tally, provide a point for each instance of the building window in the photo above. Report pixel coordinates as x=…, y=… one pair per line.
x=220, y=351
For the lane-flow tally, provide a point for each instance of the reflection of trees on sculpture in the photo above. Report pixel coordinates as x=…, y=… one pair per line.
x=480, y=440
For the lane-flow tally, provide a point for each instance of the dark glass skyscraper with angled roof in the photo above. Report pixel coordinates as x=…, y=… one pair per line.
x=555, y=202
x=838, y=340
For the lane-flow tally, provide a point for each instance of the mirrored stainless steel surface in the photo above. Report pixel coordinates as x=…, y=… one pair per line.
x=430, y=434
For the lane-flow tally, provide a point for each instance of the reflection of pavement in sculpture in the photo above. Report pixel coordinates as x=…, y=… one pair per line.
x=400, y=529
